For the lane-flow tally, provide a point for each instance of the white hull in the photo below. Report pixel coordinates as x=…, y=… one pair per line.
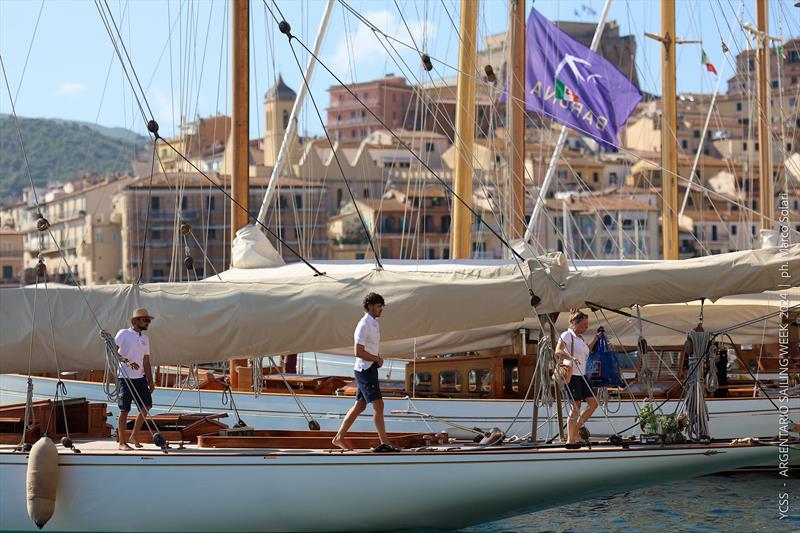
x=262, y=490
x=730, y=417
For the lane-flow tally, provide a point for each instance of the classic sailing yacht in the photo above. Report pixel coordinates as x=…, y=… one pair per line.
x=287, y=314
x=280, y=410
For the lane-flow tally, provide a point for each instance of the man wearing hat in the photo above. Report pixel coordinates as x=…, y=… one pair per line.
x=134, y=375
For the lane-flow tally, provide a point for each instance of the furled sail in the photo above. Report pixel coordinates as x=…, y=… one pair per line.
x=279, y=313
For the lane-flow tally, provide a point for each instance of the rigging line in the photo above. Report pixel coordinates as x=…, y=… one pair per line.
x=28, y=56
x=19, y=135
x=104, y=19
x=427, y=167
x=759, y=319
x=756, y=381
x=240, y=206
x=514, y=254
x=286, y=29
x=623, y=313
x=147, y=215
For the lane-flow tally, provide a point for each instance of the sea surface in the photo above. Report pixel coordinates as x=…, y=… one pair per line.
x=741, y=502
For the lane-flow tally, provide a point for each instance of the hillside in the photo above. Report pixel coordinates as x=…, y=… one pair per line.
x=60, y=150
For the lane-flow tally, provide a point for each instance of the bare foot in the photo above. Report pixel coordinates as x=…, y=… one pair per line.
x=340, y=443
x=125, y=447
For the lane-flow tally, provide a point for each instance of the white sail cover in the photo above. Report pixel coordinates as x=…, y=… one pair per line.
x=285, y=312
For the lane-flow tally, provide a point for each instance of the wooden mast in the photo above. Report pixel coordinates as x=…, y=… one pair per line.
x=240, y=179
x=516, y=119
x=765, y=186
x=465, y=131
x=669, y=144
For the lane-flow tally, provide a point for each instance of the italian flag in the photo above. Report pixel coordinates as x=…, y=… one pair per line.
x=704, y=60
x=565, y=93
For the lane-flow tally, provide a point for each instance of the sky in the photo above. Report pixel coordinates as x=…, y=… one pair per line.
x=60, y=61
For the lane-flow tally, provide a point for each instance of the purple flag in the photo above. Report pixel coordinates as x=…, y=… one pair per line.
x=569, y=83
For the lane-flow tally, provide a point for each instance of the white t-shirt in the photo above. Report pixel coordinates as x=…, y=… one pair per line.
x=368, y=333
x=578, y=349
x=134, y=346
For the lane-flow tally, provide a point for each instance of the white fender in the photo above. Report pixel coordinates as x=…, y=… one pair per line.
x=42, y=481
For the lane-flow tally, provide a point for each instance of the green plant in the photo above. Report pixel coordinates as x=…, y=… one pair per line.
x=667, y=426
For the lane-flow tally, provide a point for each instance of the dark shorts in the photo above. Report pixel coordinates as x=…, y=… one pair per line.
x=579, y=389
x=369, y=389
x=134, y=391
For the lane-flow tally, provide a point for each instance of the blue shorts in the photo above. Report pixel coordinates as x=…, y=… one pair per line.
x=369, y=389
x=134, y=391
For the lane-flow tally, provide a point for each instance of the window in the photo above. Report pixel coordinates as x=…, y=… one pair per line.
x=744, y=146
x=480, y=380
x=212, y=233
x=210, y=203
x=339, y=197
x=158, y=274
x=283, y=203
x=445, y=223
x=298, y=201
x=738, y=106
x=285, y=119
x=685, y=144
x=609, y=246
x=155, y=234
x=756, y=146
x=612, y=178
x=429, y=147
x=696, y=134
x=792, y=102
x=366, y=193
x=446, y=253
x=449, y=381
x=155, y=203
x=562, y=174
x=360, y=255
x=734, y=229
x=422, y=382
x=595, y=177
x=184, y=202
x=714, y=232
x=431, y=253
x=98, y=237
x=8, y=272
x=478, y=247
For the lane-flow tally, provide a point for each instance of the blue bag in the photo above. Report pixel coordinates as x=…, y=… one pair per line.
x=602, y=366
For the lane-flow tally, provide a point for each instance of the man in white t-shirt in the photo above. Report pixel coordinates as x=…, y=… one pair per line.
x=366, y=340
x=134, y=376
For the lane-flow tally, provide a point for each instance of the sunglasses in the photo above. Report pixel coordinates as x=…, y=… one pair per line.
x=145, y=320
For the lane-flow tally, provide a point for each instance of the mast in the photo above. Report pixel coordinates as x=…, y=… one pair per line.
x=669, y=146
x=240, y=179
x=516, y=119
x=465, y=131
x=296, y=108
x=766, y=204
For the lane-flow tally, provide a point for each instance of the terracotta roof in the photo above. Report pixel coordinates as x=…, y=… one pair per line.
x=601, y=204
x=384, y=205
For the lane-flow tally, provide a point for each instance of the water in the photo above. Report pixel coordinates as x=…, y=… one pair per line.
x=741, y=502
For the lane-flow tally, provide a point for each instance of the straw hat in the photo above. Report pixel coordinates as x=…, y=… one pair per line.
x=141, y=313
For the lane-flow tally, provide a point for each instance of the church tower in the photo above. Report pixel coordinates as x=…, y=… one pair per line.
x=278, y=102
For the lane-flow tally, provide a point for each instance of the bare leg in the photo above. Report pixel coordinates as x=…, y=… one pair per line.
x=137, y=425
x=380, y=425
x=572, y=422
x=591, y=405
x=122, y=438
x=349, y=418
